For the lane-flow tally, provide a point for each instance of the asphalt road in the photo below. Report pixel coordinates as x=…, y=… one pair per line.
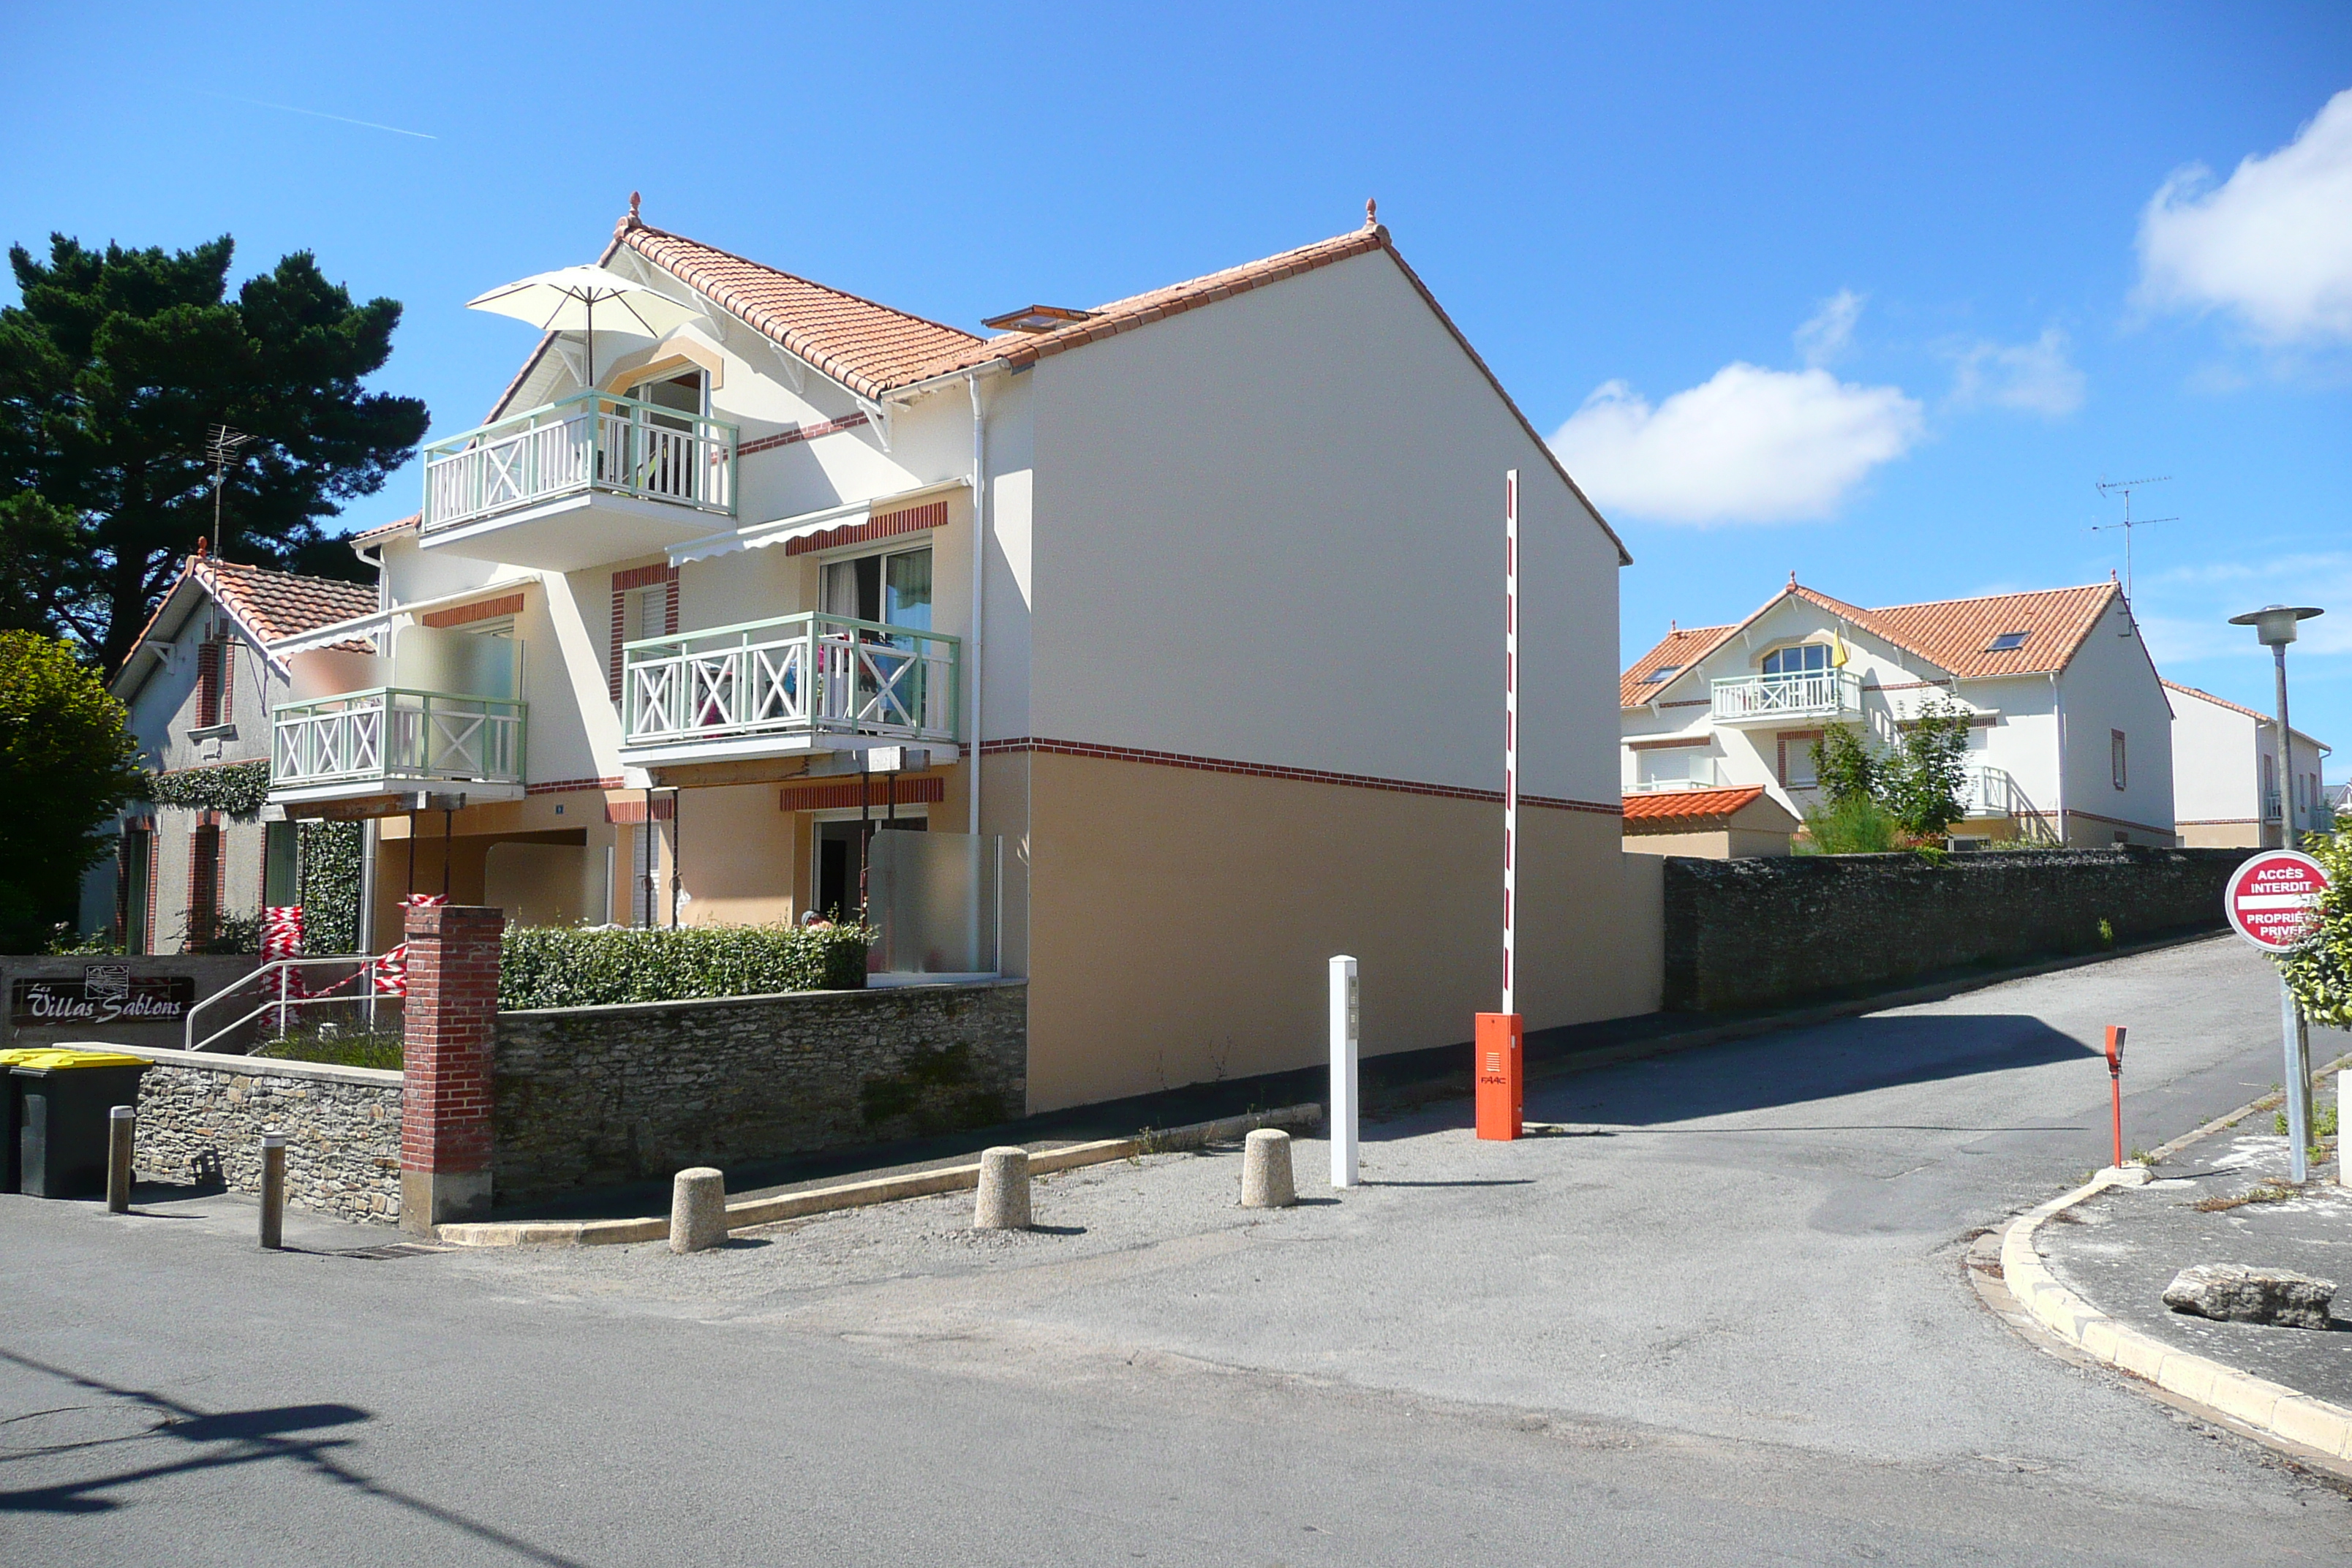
x=1725, y=1323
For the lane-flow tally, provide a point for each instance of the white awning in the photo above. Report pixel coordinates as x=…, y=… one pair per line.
x=362, y=627
x=783, y=529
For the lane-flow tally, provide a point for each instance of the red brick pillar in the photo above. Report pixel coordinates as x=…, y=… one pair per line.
x=446, y=1041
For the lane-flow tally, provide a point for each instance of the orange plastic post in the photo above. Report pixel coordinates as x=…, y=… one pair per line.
x=1498, y=1068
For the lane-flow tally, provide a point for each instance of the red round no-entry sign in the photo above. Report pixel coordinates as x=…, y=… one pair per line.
x=2272, y=898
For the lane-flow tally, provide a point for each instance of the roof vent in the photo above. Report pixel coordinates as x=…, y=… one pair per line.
x=1036, y=319
x=2007, y=642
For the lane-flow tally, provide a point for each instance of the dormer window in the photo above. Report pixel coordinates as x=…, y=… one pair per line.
x=2007, y=642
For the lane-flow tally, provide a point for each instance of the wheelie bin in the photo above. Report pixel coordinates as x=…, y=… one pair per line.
x=62, y=1099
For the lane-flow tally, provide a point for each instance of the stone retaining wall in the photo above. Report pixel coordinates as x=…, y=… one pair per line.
x=1756, y=934
x=590, y=1097
x=201, y=1118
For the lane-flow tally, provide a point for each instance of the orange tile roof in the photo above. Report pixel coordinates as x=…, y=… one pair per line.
x=1954, y=635
x=1690, y=808
x=866, y=347
x=281, y=604
x=1677, y=650
x=383, y=530
x=2225, y=703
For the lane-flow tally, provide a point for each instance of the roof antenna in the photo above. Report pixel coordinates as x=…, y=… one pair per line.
x=1371, y=213
x=220, y=445
x=2130, y=522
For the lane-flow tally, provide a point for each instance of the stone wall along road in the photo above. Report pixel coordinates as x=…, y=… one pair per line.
x=1758, y=933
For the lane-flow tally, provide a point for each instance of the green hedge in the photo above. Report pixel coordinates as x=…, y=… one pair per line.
x=553, y=966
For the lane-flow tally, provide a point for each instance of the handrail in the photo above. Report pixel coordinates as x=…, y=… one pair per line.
x=345, y=697
x=370, y=967
x=810, y=672
x=800, y=617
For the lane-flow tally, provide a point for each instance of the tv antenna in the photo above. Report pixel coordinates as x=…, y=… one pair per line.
x=2111, y=487
x=220, y=445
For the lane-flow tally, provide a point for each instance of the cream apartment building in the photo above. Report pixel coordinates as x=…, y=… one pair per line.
x=1164, y=636
x=2070, y=736
x=2225, y=776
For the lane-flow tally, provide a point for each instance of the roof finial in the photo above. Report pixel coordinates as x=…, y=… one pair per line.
x=632, y=220
x=1371, y=213
x=200, y=547
x=1792, y=576
x=1674, y=628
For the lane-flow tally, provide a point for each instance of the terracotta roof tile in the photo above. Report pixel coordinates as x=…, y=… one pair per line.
x=385, y=529
x=869, y=348
x=1954, y=635
x=280, y=603
x=1677, y=650
x=1689, y=807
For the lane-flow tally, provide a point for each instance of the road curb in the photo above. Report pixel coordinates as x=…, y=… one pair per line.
x=751, y=1212
x=2306, y=1427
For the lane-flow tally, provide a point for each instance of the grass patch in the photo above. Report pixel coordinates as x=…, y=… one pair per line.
x=381, y=1051
x=2261, y=1193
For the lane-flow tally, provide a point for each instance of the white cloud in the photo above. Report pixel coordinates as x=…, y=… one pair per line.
x=1751, y=445
x=2036, y=377
x=2272, y=243
x=1825, y=337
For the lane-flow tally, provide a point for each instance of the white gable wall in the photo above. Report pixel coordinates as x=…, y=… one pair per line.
x=2110, y=685
x=1270, y=530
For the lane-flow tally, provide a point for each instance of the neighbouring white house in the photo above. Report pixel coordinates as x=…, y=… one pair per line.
x=200, y=685
x=2225, y=776
x=1152, y=653
x=2070, y=737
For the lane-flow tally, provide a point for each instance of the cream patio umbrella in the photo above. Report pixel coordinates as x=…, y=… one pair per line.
x=565, y=300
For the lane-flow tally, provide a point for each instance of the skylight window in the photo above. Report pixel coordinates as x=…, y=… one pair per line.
x=2007, y=642
x=1664, y=672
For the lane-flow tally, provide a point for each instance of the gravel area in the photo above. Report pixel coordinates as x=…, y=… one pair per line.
x=2125, y=1245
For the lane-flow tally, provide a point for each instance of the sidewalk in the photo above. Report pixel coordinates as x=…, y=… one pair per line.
x=2120, y=1249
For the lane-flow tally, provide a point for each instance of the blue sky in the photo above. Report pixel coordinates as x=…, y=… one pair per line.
x=1869, y=294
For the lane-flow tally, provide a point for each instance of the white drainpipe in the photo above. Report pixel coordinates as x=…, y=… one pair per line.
x=979, y=575
x=2058, y=706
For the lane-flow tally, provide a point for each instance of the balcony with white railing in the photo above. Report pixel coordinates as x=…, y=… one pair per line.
x=385, y=739
x=579, y=482
x=1826, y=694
x=1991, y=793
x=809, y=682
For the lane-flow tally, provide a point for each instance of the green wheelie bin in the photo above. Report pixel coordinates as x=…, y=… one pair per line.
x=62, y=1099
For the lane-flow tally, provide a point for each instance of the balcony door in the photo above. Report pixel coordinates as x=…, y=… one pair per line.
x=662, y=449
x=893, y=588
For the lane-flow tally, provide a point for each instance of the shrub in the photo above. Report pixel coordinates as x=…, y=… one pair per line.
x=550, y=966
x=2320, y=973
x=380, y=1050
x=1860, y=826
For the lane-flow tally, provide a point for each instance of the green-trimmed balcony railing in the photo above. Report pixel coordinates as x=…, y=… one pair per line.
x=590, y=441
x=811, y=674
x=390, y=736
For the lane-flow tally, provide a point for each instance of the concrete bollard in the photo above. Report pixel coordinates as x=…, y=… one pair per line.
x=2343, y=1126
x=1265, y=1171
x=273, y=1190
x=1003, y=1203
x=698, y=1210
x=121, y=1127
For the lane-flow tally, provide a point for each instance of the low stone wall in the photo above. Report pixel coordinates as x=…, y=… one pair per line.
x=1754, y=933
x=590, y=1097
x=201, y=1118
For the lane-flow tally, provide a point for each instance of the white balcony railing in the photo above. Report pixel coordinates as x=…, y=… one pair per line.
x=582, y=443
x=1992, y=792
x=1818, y=694
x=390, y=736
x=808, y=674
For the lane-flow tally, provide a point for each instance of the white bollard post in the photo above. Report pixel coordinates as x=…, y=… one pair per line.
x=2343, y=1131
x=1003, y=1201
x=1266, y=1181
x=1345, y=1038
x=698, y=1210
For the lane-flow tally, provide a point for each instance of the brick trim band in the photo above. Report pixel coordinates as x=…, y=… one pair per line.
x=889, y=525
x=482, y=610
x=800, y=433
x=627, y=812
x=569, y=786
x=1268, y=770
x=841, y=797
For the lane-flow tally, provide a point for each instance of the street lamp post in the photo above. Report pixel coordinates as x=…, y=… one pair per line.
x=2275, y=625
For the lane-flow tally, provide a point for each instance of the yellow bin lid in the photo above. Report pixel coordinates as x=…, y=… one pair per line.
x=54, y=1058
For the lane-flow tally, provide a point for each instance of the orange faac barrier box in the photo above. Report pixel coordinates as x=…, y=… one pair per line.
x=1499, y=1069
